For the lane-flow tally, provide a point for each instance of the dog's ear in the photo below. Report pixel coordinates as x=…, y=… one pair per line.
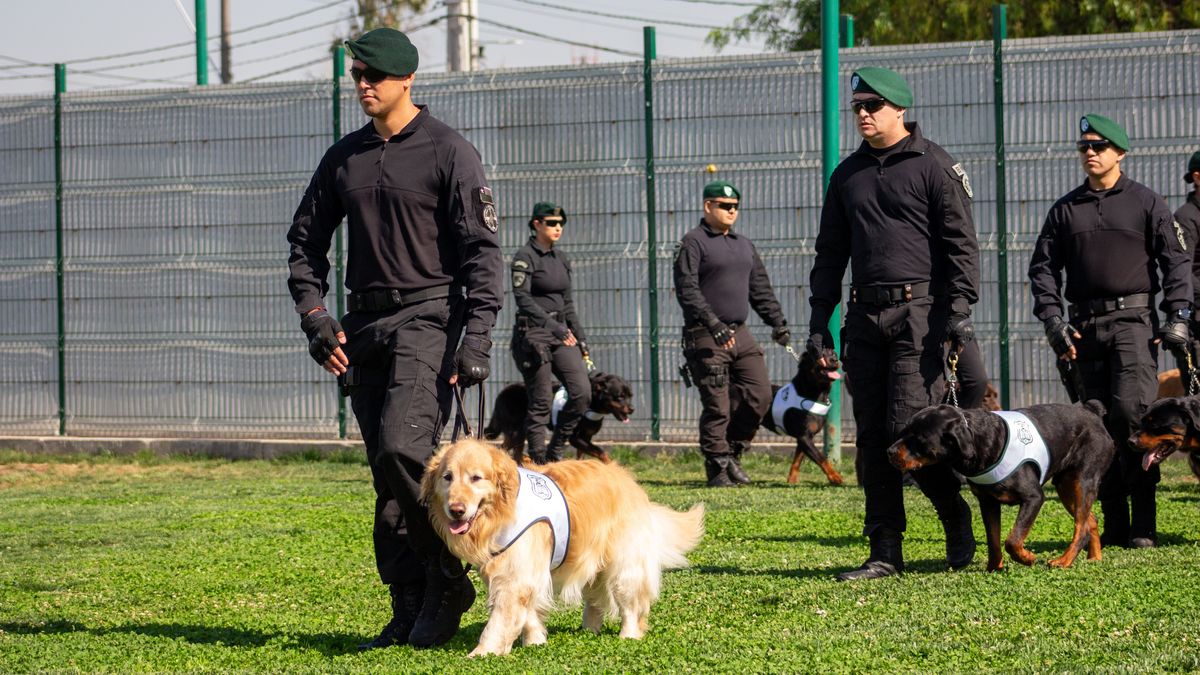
x=599, y=383
x=433, y=473
x=956, y=433
x=1190, y=406
x=504, y=476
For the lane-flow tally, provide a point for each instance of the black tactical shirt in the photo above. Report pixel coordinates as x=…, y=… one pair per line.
x=719, y=277
x=898, y=215
x=541, y=280
x=1109, y=244
x=1188, y=217
x=419, y=212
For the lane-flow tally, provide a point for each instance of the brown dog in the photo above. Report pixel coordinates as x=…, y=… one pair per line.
x=1008, y=456
x=611, y=556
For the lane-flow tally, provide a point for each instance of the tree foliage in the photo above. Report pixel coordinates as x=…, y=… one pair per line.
x=793, y=25
x=370, y=14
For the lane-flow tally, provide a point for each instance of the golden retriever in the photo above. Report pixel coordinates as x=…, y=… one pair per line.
x=619, y=541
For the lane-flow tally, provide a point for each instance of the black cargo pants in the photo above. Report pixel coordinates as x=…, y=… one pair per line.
x=1119, y=363
x=540, y=357
x=402, y=359
x=734, y=388
x=894, y=359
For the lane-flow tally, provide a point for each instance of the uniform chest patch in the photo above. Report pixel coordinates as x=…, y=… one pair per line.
x=962, y=176
x=488, y=211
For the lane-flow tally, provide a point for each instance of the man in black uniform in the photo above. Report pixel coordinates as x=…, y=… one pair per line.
x=424, y=263
x=718, y=277
x=1111, y=236
x=548, y=339
x=899, y=211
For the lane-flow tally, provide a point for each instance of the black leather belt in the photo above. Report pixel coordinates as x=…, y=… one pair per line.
x=525, y=321
x=888, y=295
x=376, y=301
x=1083, y=310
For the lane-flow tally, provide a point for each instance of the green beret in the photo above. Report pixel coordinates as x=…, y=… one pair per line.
x=721, y=188
x=886, y=83
x=386, y=49
x=1193, y=165
x=544, y=209
x=1106, y=128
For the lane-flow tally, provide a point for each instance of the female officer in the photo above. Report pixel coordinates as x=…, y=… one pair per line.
x=548, y=338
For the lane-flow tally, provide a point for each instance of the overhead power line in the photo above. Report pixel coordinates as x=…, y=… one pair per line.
x=551, y=38
x=623, y=17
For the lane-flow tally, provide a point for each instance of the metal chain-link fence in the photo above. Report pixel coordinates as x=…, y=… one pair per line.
x=176, y=318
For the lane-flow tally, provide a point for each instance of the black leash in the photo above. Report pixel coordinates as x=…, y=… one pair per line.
x=461, y=422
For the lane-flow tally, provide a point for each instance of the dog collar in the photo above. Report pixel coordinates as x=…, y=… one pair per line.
x=1024, y=445
x=787, y=398
x=539, y=499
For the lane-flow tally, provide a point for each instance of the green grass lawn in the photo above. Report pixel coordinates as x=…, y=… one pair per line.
x=147, y=564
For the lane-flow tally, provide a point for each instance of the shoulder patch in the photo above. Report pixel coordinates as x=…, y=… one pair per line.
x=519, y=277
x=1179, y=235
x=678, y=250
x=488, y=211
x=519, y=264
x=961, y=173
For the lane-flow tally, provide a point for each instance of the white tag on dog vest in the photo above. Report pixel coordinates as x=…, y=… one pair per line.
x=560, y=400
x=1025, y=444
x=539, y=498
x=787, y=399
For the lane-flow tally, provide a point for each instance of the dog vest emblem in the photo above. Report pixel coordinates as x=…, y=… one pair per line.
x=539, y=499
x=560, y=400
x=787, y=399
x=1024, y=444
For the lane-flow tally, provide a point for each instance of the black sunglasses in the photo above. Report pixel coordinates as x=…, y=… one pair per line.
x=726, y=206
x=872, y=105
x=1097, y=146
x=370, y=74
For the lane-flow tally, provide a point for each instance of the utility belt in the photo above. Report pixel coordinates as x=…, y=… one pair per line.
x=1090, y=308
x=377, y=301
x=896, y=294
x=525, y=321
x=357, y=376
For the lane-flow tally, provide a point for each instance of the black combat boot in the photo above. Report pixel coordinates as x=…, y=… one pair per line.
x=554, y=451
x=448, y=595
x=960, y=539
x=406, y=604
x=717, y=468
x=1143, y=529
x=886, y=559
x=537, y=455
x=1116, y=522
x=734, y=469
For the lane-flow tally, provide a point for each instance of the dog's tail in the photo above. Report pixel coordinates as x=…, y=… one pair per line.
x=675, y=533
x=1096, y=407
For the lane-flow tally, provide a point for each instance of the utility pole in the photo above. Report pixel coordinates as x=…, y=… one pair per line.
x=476, y=49
x=226, y=55
x=458, y=35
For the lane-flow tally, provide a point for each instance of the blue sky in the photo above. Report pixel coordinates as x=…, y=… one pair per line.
x=77, y=32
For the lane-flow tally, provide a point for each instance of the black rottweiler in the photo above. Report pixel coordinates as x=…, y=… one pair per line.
x=1074, y=453
x=798, y=410
x=611, y=395
x=1170, y=425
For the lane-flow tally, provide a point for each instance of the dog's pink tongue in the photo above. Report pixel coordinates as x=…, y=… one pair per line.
x=1148, y=460
x=834, y=375
x=460, y=526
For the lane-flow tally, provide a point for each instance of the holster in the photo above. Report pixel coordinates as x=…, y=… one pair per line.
x=357, y=376
x=528, y=355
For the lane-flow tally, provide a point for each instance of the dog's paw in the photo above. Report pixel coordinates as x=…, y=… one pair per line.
x=480, y=650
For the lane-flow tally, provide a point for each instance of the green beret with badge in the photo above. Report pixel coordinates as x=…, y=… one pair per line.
x=1106, y=129
x=887, y=83
x=385, y=49
x=721, y=188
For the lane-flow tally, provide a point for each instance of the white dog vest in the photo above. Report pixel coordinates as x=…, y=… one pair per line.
x=1024, y=444
x=787, y=399
x=539, y=498
x=560, y=400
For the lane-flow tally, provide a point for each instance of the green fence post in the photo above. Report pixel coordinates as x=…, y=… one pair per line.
x=339, y=68
x=999, y=33
x=201, y=43
x=60, y=88
x=648, y=56
x=830, y=154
